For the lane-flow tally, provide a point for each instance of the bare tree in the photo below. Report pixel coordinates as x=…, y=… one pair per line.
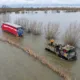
x=51, y=32
x=30, y=27
x=4, y=18
x=4, y=8
x=22, y=22
x=72, y=35
x=36, y=28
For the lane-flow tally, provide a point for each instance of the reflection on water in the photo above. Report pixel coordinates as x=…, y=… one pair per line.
x=19, y=64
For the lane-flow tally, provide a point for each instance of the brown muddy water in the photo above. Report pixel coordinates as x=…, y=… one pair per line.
x=17, y=65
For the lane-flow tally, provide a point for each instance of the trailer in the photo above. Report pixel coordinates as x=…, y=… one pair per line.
x=12, y=28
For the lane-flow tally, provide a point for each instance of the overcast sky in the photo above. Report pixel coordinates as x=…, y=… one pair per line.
x=39, y=1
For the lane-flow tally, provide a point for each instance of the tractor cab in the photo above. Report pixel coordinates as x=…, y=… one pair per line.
x=69, y=51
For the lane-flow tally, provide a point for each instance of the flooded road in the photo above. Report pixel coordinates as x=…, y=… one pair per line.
x=16, y=65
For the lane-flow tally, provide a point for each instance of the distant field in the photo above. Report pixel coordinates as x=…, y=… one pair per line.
x=37, y=9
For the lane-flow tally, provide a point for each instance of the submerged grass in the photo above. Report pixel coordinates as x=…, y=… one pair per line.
x=30, y=27
x=25, y=23
x=72, y=35
x=36, y=28
x=22, y=22
x=51, y=31
x=4, y=18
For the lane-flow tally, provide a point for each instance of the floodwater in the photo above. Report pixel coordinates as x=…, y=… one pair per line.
x=17, y=65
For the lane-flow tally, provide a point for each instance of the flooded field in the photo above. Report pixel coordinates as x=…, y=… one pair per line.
x=17, y=65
